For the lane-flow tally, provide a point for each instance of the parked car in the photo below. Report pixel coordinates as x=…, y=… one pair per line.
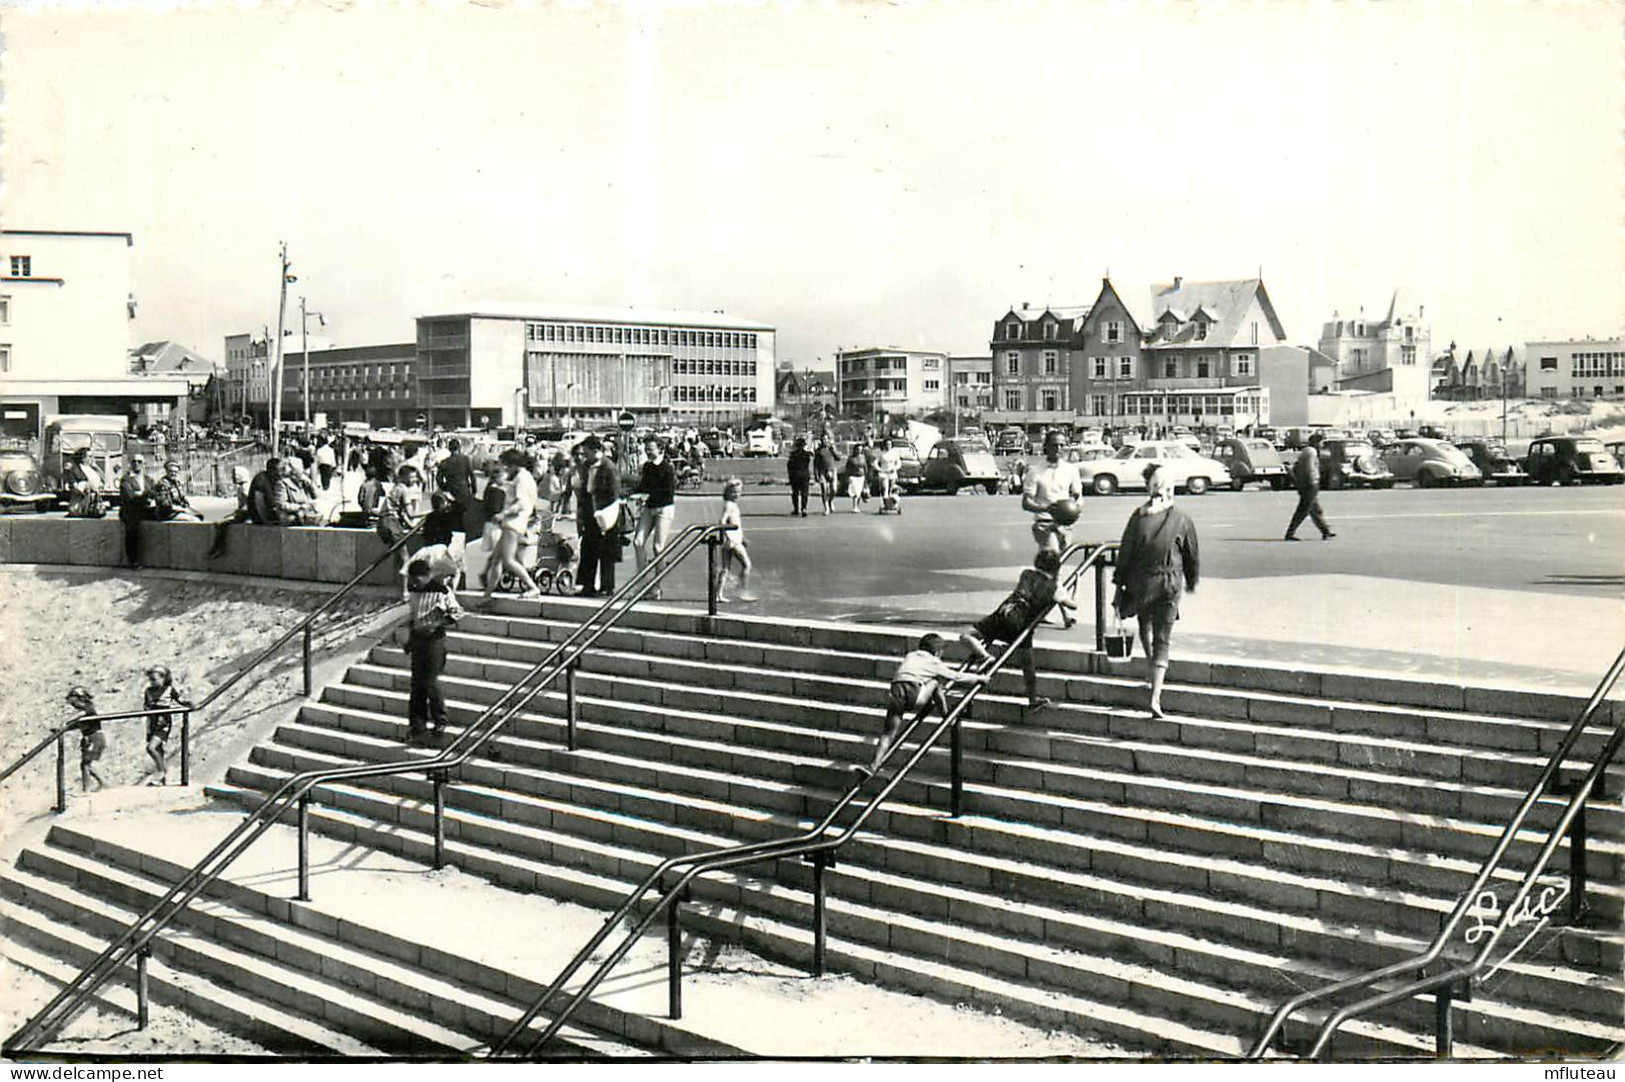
x=1571, y=460
x=1348, y=462
x=1010, y=441
x=1618, y=451
x=954, y=464
x=718, y=442
x=1126, y=470
x=910, y=470
x=1381, y=437
x=1252, y=459
x=22, y=485
x=1494, y=462
x=1432, y=432
x=761, y=441
x=1429, y=462
x=1089, y=452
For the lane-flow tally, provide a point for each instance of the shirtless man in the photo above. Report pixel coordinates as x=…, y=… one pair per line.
x=1046, y=485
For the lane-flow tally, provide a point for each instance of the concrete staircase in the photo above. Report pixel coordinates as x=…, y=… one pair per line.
x=1162, y=884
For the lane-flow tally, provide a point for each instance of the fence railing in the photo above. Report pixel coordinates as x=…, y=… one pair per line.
x=819, y=844
x=294, y=795
x=1456, y=981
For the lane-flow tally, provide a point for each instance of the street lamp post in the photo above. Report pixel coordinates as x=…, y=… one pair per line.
x=304, y=349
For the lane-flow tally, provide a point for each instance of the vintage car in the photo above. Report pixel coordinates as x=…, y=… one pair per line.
x=910, y=470
x=1089, y=452
x=1617, y=449
x=1126, y=470
x=1351, y=462
x=761, y=442
x=954, y=464
x=22, y=486
x=1251, y=459
x=1494, y=462
x=1381, y=437
x=718, y=442
x=1571, y=460
x=1010, y=441
x=1430, y=462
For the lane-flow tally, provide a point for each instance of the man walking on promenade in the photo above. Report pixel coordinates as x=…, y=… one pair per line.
x=1306, y=476
x=1044, y=487
x=455, y=475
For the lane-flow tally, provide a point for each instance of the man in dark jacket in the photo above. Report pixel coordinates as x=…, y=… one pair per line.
x=134, y=508
x=262, y=493
x=600, y=548
x=800, y=466
x=1306, y=476
x=455, y=475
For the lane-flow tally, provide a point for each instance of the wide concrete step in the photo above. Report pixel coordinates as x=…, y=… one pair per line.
x=1423, y=733
x=1066, y=653
x=1140, y=1005
x=790, y=724
x=415, y=973
x=723, y=741
x=50, y=943
x=1065, y=837
x=375, y=1022
x=962, y=862
x=1102, y=938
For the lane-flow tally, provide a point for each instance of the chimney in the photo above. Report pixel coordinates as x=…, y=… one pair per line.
x=1177, y=281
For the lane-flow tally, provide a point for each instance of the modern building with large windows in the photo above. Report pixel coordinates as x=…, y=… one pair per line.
x=1576, y=368
x=510, y=362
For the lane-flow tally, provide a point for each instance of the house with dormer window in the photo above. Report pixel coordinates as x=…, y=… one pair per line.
x=1035, y=354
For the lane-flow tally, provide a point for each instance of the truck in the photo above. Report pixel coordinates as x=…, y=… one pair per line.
x=103, y=434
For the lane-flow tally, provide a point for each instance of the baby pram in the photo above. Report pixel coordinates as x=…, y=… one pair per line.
x=547, y=553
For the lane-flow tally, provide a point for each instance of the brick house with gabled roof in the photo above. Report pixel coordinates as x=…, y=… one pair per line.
x=1034, y=356
x=1202, y=355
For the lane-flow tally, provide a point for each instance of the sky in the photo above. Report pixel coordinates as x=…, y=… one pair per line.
x=854, y=174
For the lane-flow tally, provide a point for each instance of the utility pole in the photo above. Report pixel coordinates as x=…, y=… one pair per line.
x=281, y=322
x=304, y=363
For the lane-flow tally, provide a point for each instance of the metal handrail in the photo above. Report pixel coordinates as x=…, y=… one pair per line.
x=1491, y=864
x=303, y=626
x=296, y=790
x=811, y=841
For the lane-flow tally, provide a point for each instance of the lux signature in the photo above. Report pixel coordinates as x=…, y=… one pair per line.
x=1486, y=910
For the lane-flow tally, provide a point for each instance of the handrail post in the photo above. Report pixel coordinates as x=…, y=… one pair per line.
x=1577, y=866
x=309, y=683
x=711, y=582
x=1100, y=606
x=304, y=848
x=186, y=748
x=820, y=911
x=62, y=770
x=439, y=778
x=141, y=991
x=674, y=958
x=956, y=755
x=1444, y=1021
x=570, y=709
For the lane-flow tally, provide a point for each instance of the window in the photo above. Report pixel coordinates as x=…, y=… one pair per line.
x=1125, y=368
x=5, y=311
x=1255, y=332
x=1548, y=364
x=1097, y=367
x=1204, y=364
x=931, y=364
x=1201, y=329
x=1012, y=398
x=5, y=358
x=984, y=378
x=1407, y=354
x=1097, y=405
x=1012, y=329
x=1051, y=398
x=1049, y=331
x=1052, y=362
x=1112, y=331
x=1242, y=364
x=1170, y=368
x=1012, y=363
x=22, y=266
x=933, y=385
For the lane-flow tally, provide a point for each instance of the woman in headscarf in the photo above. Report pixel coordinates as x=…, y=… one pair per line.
x=1157, y=561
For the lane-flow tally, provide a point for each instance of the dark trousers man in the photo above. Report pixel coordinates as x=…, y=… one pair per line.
x=427, y=706
x=798, y=495
x=597, y=560
x=131, y=515
x=325, y=472
x=1308, y=507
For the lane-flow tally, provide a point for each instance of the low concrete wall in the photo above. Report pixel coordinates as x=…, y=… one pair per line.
x=308, y=553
